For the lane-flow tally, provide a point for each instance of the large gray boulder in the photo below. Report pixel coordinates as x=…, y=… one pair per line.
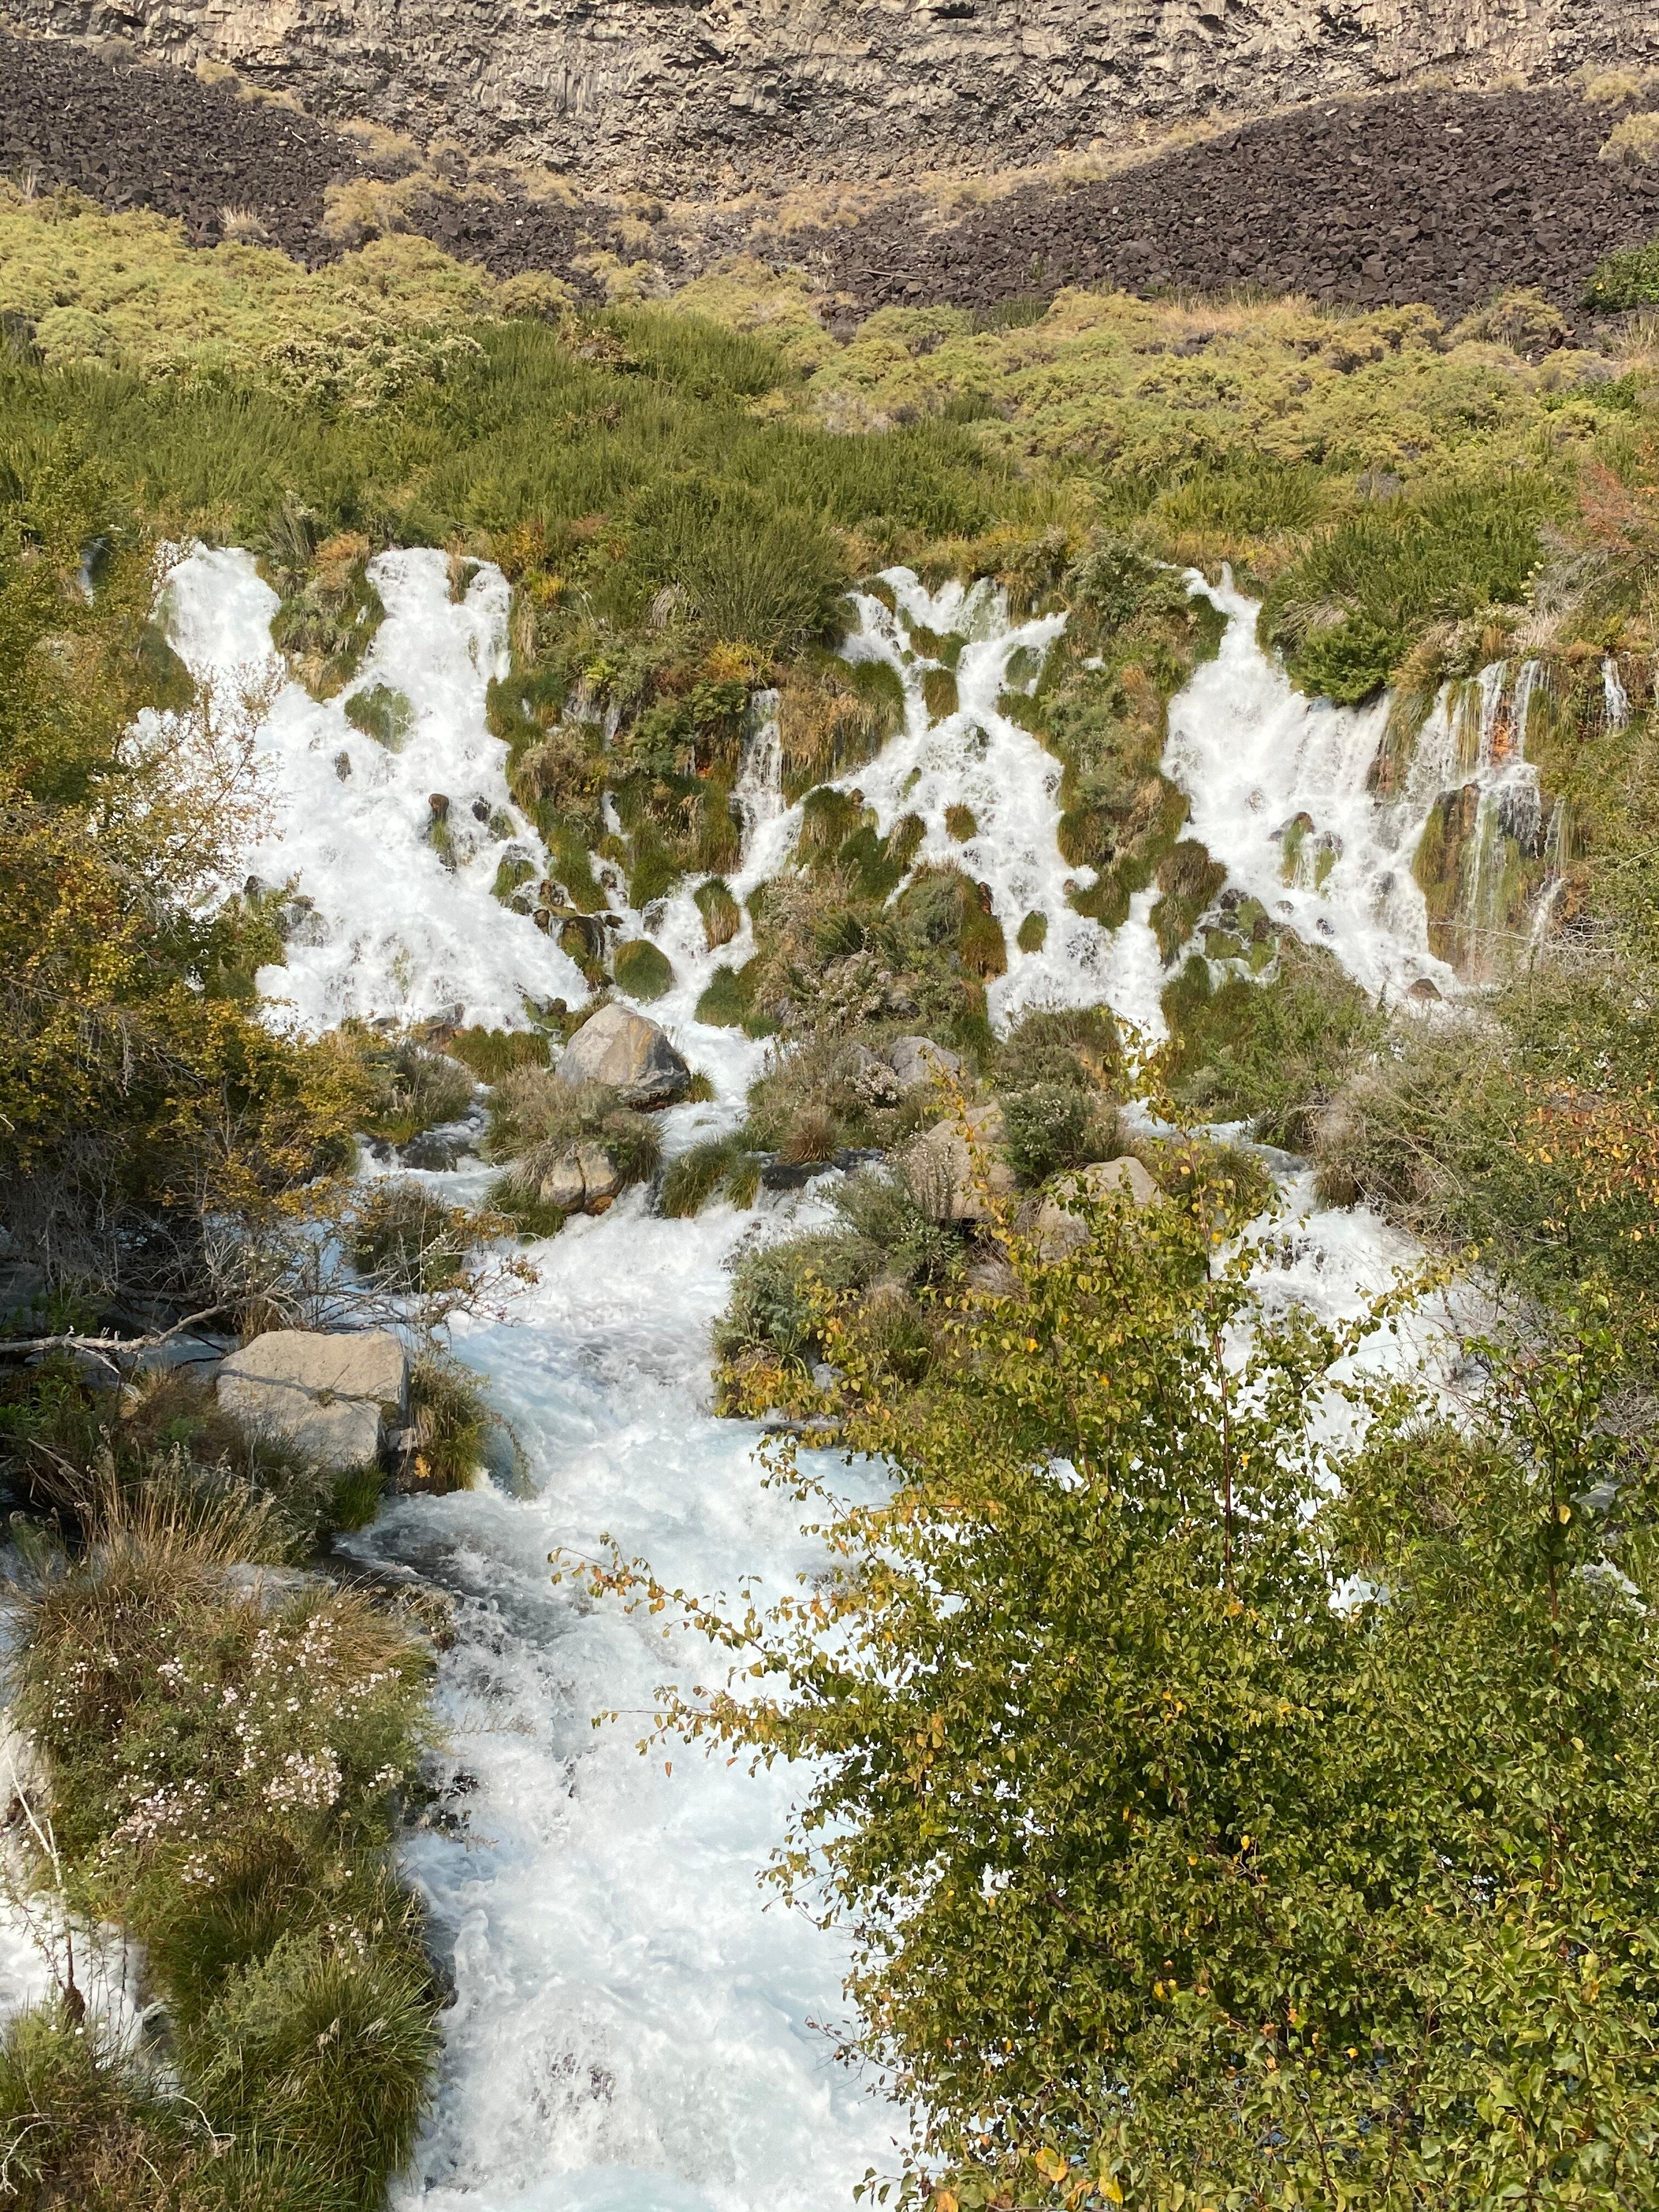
x=917, y=1059
x=325, y=1396
x=945, y=1178
x=1060, y=1231
x=628, y=1052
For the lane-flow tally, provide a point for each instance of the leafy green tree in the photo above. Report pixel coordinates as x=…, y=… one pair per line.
x=1223, y=1811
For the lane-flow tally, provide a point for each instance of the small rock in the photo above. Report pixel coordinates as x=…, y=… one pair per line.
x=1425, y=988
x=992, y=1275
x=942, y=1173
x=601, y=1177
x=564, y=1185
x=629, y=1053
x=431, y=1153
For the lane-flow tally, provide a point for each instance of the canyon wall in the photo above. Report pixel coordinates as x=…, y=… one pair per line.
x=710, y=98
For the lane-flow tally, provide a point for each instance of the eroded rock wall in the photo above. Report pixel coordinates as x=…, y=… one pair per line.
x=670, y=95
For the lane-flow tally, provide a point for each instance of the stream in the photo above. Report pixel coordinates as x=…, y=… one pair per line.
x=636, y=2024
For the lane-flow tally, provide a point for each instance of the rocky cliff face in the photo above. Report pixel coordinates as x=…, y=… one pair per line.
x=671, y=94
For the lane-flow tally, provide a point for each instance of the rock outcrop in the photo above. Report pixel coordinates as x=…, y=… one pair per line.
x=1062, y=1227
x=956, y=1177
x=714, y=98
x=325, y=1396
x=629, y=1054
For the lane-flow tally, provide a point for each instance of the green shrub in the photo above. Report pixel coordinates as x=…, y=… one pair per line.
x=723, y=1165
x=410, y=1087
x=513, y=1196
x=1627, y=277
x=323, y=2051
x=330, y=610
x=1393, y=568
x=777, y=1307
x=1075, y=1045
x=492, y=1053
x=1349, y=661
x=642, y=969
x=1272, y=1054
x=404, y=1240
x=450, y=1420
x=381, y=714
x=880, y=1207
x=1049, y=1127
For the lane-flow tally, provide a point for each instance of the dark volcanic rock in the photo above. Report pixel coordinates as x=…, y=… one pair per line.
x=132, y=135
x=1443, y=198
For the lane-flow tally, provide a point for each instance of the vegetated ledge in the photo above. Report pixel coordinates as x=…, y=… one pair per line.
x=216, y=1748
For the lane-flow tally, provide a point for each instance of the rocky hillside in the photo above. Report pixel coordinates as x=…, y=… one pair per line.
x=1442, y=198
x=709, y=98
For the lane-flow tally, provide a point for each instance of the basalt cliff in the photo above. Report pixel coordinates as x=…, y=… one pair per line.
x=707, y=98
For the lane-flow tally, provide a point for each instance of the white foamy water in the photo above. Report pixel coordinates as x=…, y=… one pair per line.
x=1279, y=786
x=395, y=932
x=632, y=2028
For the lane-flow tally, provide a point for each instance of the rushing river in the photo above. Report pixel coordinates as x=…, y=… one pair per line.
x=636, y=2024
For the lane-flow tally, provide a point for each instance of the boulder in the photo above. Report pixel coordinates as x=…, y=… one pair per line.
x=564, y=1185
x=1059, y=1232
x=917, y=1059
x=942, y=1175
x=584, y=1180
x=628, y=1052
x=872, y=1078
x=324, y=1396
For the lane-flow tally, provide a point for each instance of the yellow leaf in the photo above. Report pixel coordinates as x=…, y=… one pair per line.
x=1110, y=2191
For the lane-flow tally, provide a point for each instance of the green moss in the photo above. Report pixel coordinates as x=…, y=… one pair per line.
x=961, y=823
x=381, y=714
x=1188, y=880
x=728, y=998
x=1033, y=932
x=722, y=917
x=642, y=969
x=938, y=692
x=513, y=873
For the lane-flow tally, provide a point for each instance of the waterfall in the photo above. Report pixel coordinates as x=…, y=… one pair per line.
x=631, y=2030
x=1614, y=695
x=1280, y=790
x=759, y=787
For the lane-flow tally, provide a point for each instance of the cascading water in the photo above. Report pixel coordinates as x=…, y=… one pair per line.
x=630, y=2031
x=1488, y=859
